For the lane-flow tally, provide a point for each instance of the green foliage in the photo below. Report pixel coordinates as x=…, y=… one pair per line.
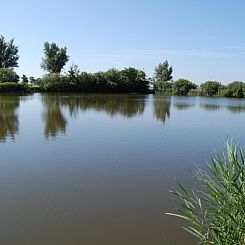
x=235, y=89
x=24, y=79
x=8, y=75
x=163, y=72
x=161, y=86
x=32, y=80
x=11, y=87
x=54, y=82
x=182, y=87
x=215, y=213
x=55, y=58
x=210, y=88
x=128, y=80
x=8, y=53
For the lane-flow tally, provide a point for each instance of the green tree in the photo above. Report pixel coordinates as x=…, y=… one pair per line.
x=235, y=89
x=182, y=87
x=211, y=88
x=8, y=75
x=55, y=58
x=161, y=86
x=163, y=72
x=24, y=79
x=135, y=80
x=8, y=53
x=32, y=80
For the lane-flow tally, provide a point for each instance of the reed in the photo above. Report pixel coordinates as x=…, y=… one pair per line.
x=215, y=213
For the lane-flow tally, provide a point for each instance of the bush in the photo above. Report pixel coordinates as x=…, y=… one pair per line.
x=182, y=87
x=235, y=89
x=210, y=88
x=15, y=88
x=55, y=82
x=160, y=86
x=128, y=80
x=8, y=75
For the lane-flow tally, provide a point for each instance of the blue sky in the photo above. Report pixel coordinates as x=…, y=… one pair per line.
x=202, y=39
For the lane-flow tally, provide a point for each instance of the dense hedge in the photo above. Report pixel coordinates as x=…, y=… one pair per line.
x=10, y=87
x=128, y=80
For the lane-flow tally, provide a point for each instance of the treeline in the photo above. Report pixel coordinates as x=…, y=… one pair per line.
x=235, y=89
x=128, y=80
x=163, y=82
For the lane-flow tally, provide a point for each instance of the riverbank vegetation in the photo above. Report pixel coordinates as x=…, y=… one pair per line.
x=127, y=80
x=215, y=213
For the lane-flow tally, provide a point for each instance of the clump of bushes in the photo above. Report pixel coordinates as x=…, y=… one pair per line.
x=234, y=89
x=215, y=213
x=211, y=88
x=128, y=80
x=183, y=86
x=179, y=87
x=10, y=87
x=162, y=86
x=8, y=75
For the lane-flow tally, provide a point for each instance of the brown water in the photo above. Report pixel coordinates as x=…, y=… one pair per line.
x=96, y=169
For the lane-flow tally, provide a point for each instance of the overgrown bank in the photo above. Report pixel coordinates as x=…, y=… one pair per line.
x=127, y=80
x=234, y=89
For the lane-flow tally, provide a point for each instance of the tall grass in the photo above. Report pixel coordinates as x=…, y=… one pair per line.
x=216, y=212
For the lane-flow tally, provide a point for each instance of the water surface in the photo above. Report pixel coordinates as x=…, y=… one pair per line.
x=96, y=169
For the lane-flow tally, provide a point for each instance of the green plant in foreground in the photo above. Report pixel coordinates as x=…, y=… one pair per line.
x=216, y=212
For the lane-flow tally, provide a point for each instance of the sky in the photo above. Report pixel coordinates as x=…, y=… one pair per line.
x=201, y=39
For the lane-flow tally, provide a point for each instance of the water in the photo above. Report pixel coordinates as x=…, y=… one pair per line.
x=96, y=169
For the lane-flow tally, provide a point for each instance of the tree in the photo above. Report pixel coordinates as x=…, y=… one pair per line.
x=163, y=72
x=24, y=79
x=235, y=89
x=55, y=58
x=134, y=80
x=32, y=80
x=160, y=86
x=182, y=87
x=8, y=75
x=73, y=72
x=211, y=88
x=8, y=53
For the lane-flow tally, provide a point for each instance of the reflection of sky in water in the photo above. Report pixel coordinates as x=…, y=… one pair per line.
x=103, y=164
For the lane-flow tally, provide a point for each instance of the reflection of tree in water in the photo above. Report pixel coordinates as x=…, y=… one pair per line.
x=55, y=122
x=112, y=104
x=54, y=119
x=161, y=108
x=236, y=109
x=210, y=107
x=9, y=123
x=181, y=107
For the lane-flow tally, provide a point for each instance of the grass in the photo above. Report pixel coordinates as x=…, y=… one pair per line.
x=216, y=212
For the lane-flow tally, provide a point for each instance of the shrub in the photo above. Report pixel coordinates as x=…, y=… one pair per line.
x=210, y=88
x=128, y=80
x=182, y=87
x=235, y=89
x=160, y=86
x=14, y=87
x=8, y=75
x=55, y=82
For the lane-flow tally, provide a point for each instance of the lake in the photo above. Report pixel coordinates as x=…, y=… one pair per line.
x=96, y=169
